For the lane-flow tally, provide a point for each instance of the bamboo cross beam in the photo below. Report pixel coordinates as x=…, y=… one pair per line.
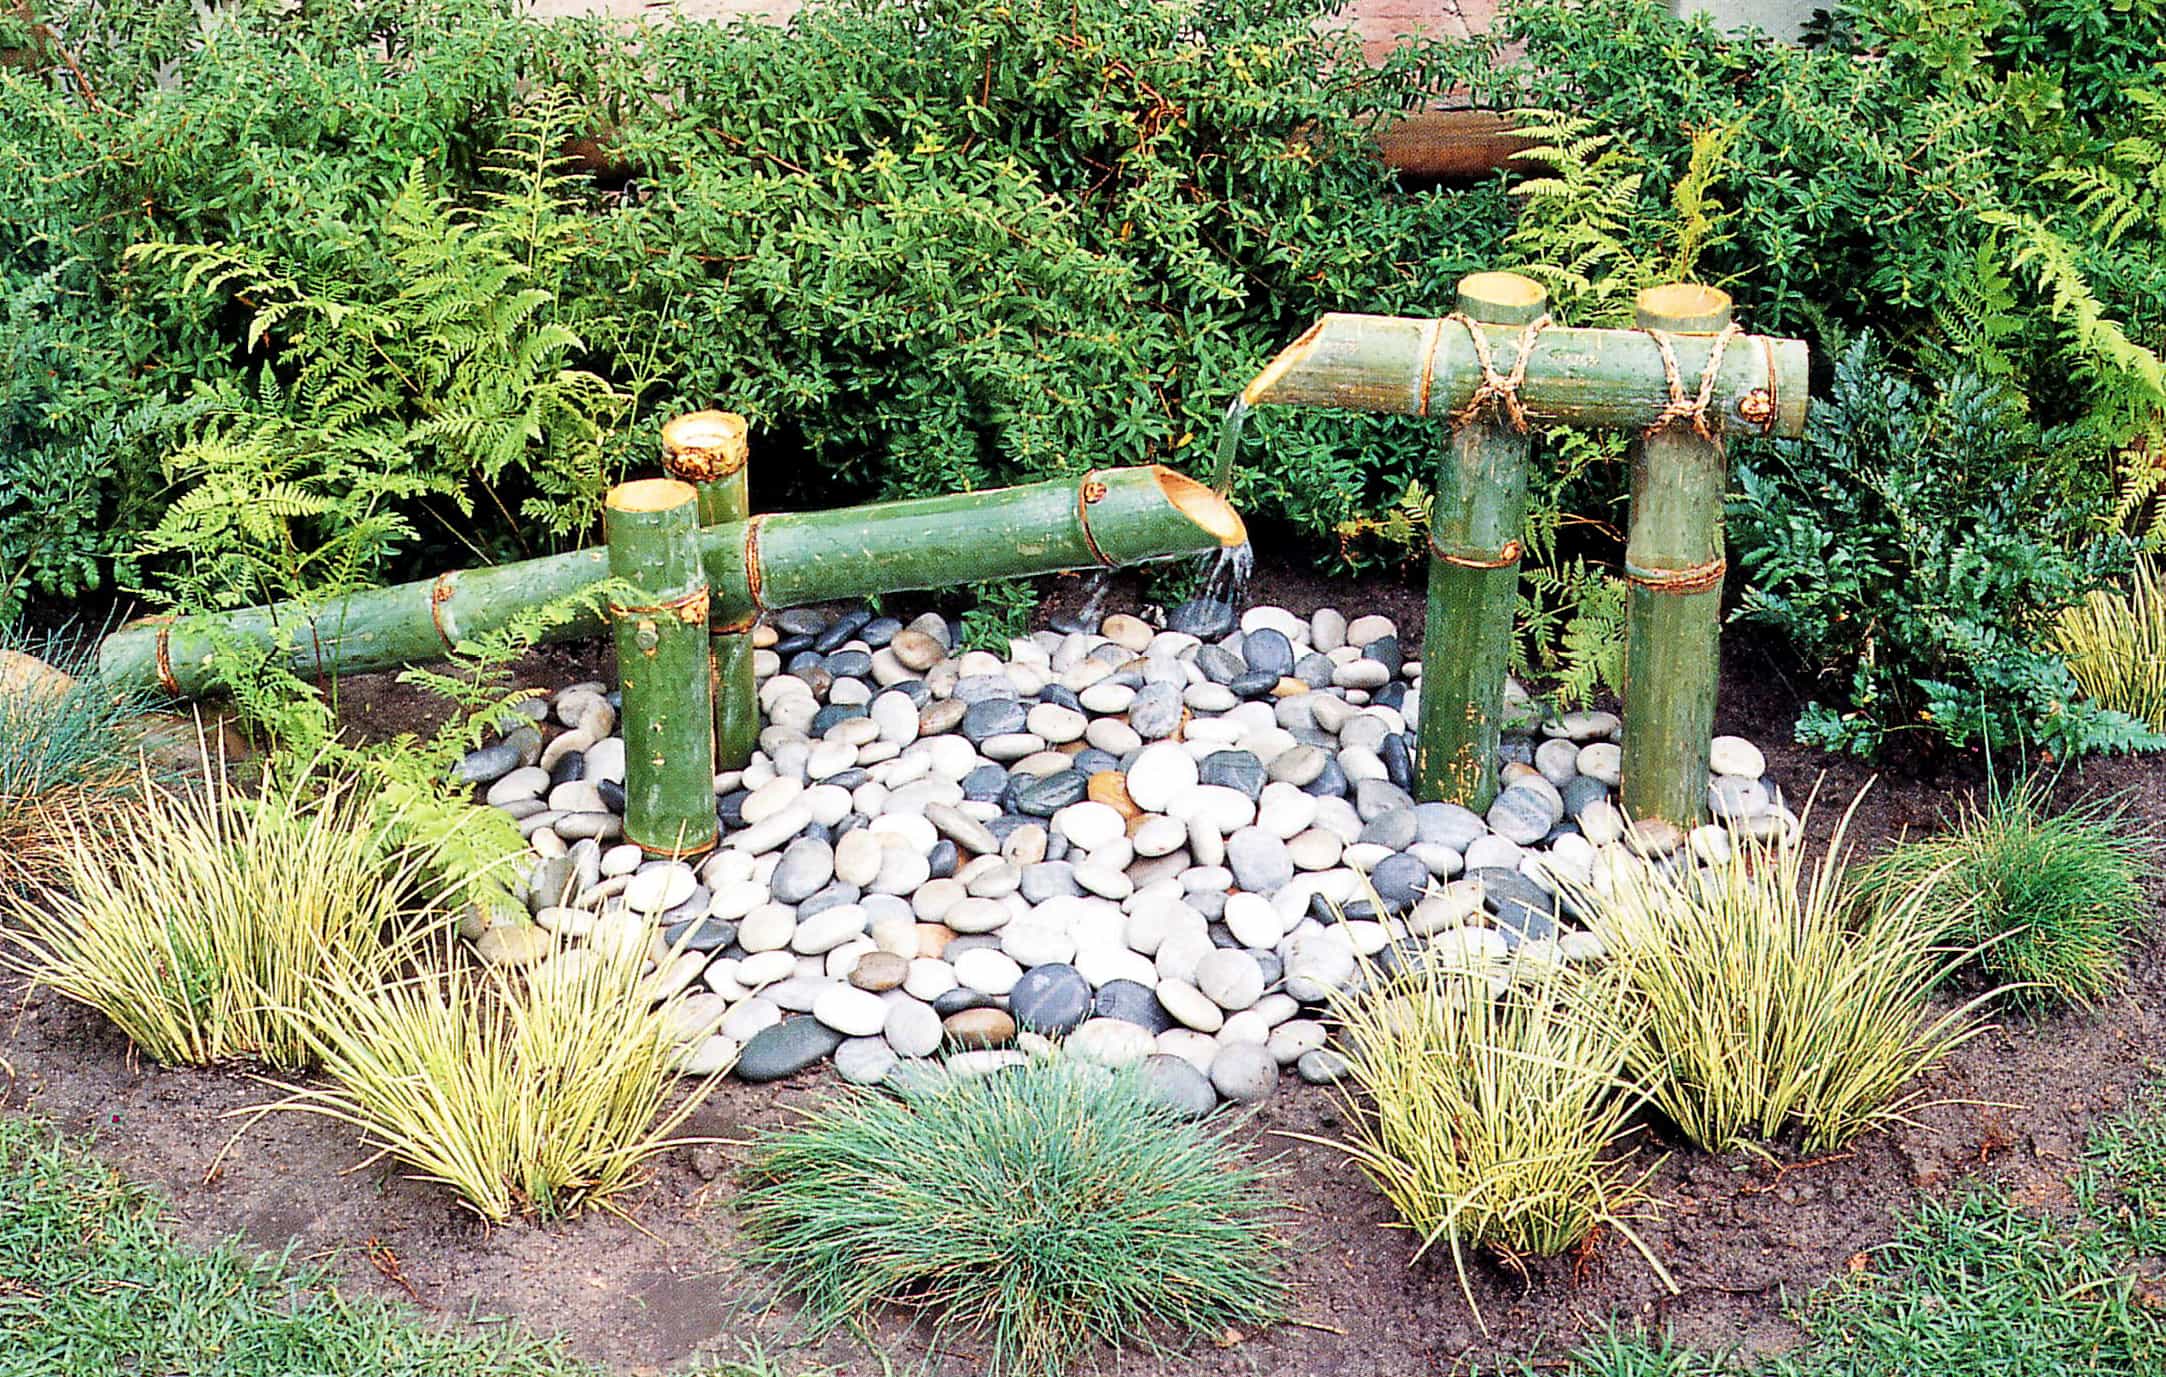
x=1497, y=369
x=1106, y=518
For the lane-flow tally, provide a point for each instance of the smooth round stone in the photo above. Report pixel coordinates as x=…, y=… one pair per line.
x=766, y=928
x=857, y=857
x=1734, y=796
x=1395, y=830
x=1301, y=766
x=929, y=978
x=1110, y=1042
x=967, y=832
x=1132, y=1002
x=661, y=887
x=1032, y=942
x=710, y=1056
x=1583, y=726
x=785, y=1048
x=765, y=968
x=991, y=717
x=975, y=915
x=1259, y=861
x=1734, y=755
x=1107, y=697
x=1104, y=881
x=1159, y=775
x=1253, y=921
x=1237, y=770
x=1190, y=1046
x=1601, y=823
x=1043, y=798
x=1190, y=1005
x=912, y=1029
x=1112, y=735
x=1602, y=760
x=988, y=970
x=1160, y=836
x=1245, y=1073
x=514, y=944
x=828, y=929
x=1320, y=961
x=527, y=782
x=879, y=970
x=865, y=1060
x=1057, y=724
x=1176, y=1083
x=850, y=1011
x=1399, y=881
x=1207, y=619
x=1231, y=979
x=915, y=650
x=1447, y=824
x=1361, y=674
x=1268, y=650
x=1320, y=1067
x=806, y=867
x=1295, y=1039
x=1156, y=711
x=1089, y=825
x=1558, y=761
x=1654, y=837
x=902, y=871
x=1522, y=908
x=1523, y=816
x=979, y=1028
x=1053, y=999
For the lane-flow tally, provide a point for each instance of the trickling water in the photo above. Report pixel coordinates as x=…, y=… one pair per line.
x=1092, y=612
x=1227, y=580
x=1229, y=444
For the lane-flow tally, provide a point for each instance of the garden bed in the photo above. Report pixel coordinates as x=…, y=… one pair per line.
x=1739, y=1235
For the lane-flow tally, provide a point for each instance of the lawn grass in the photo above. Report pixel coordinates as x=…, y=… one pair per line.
x=1975, y=1285
x=91, y=1285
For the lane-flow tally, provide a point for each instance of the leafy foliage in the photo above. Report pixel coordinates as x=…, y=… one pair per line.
x=1050, y=1207
x=2051, y=898
x=1916, y=546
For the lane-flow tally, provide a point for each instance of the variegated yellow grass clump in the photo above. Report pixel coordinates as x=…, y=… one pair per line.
x=206, y=923
x=1491, y=1115
x=2115, y=644
x=544, y=1092
x=1775, y=1002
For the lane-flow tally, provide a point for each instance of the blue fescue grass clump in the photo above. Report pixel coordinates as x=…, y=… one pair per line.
x=61, y=744
x=2054, y=897
x=1046, y=1208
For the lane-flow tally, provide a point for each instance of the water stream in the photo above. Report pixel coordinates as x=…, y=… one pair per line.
x=1229, y=445
x=1226, y=580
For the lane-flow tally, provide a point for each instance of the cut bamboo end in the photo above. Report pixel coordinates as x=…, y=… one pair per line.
x=643, y=495
x=1288, y=359
x=1502, y=298
x=702, y=446
x=1211, y=513
x=1684, y=308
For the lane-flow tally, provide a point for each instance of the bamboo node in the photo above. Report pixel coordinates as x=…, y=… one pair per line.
x=754, y=577
x=1504, y=558
x=1693, y=409
x=736, y=628
x=1089, y=491
x=1497, y=391
x=162, y=647
x=1696, y=578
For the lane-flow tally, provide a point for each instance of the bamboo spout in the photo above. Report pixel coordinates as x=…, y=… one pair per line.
x=1596, y=379
x=1106, y=518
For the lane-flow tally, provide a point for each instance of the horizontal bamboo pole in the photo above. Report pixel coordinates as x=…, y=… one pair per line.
x=1109, y=517
x=1596, y=379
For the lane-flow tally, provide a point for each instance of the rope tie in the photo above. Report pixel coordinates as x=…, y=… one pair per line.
x=1505, y=557
x=1696, y=578
x=1692, y=409
x=690, y=607
x=1088, y=493
x=1499, y=391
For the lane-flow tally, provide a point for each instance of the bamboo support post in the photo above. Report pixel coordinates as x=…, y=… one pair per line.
x=662, y=665
x=707, y=449
x=1674, y=565
x=1106, y=518
x=1474, y=544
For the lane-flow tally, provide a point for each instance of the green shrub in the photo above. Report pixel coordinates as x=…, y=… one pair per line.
x=2051, y=899
x=1772, y=1008
x=1048, y=1207
x=1918, y=547
x=1494, y=1120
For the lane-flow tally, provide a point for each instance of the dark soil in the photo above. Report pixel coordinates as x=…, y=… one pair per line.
x=1742, y=1237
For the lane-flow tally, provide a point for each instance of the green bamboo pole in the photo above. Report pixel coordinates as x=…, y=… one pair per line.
x=1474, y=530
x=707, y=449
x=1673, y=562
x=1594, y=379
x=1108, y=517
x=662, y=665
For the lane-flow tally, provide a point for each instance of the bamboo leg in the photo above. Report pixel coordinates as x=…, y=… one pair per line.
x=1673, y=559
x=1481, y=502
x=707, y=449
x=662, y=666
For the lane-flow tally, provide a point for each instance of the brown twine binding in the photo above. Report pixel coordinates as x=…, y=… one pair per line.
x=690, y=607
x=1091, y=490
x=162, y=650
x=1506, y=557
x=753, y=575
x=1697, y=578
x=1499, y=391
x=1692, y=409
x=439, y=594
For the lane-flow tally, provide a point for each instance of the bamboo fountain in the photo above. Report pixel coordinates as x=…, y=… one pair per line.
x=1497, y=369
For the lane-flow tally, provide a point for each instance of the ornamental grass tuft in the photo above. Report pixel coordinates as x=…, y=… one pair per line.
x=1776, y=1002
x=2051, y=899
x=2115, y=645
x=1494, y=1118
x=540, y=1092
x=208, y=924
x=1045, y=1208
x=64, y=740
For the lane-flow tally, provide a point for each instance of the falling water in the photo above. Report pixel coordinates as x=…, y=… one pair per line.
x=1227, y=579
x=1093, y=610
x=1229, y=444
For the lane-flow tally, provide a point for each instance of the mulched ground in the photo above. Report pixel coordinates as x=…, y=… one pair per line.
x=650, y=1292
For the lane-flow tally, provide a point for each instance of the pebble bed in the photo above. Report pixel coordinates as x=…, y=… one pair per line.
x=1166, y=845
